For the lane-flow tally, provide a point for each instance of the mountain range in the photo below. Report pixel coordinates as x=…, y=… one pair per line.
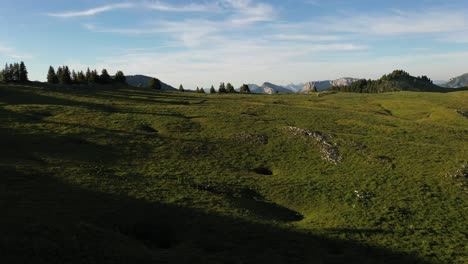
x=269, y=88
x=395, y=81
x=457, y=82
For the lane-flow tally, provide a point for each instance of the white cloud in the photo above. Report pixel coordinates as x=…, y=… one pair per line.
x=92, y=11
x=12, y=53
x=399, y=23
x=305, y=37
x=161, y=6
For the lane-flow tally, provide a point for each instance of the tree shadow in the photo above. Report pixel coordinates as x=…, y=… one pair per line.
x=45, y=220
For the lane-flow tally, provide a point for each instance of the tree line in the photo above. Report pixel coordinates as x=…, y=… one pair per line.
x=64, y=76
x=15, y=72
x=223, y=88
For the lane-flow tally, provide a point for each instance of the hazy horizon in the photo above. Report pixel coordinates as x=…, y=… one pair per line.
x=200, y=43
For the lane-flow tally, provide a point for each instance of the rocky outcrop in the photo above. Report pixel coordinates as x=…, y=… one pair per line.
x=308, y=88
x=343, y=81
x=329, y=152
x=268, y=88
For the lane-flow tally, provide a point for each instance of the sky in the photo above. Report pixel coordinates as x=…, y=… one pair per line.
x=200, y=43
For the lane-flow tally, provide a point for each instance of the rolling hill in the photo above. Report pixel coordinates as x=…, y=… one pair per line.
x=131, y=175
x=396, y=81
x=457, y=82
x=142, y=81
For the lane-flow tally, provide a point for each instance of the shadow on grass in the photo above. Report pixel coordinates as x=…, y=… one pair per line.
x=45, y=220
x=48, y=221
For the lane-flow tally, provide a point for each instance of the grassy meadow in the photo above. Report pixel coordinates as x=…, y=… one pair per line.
x=118, y=174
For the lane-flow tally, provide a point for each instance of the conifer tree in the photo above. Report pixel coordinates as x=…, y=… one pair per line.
x=22, y=73
x=93, y=77
x=7, y=76
x=202, y=90
x=181, y=88
x=51, y=76
x=88, y=75
x=212, y=90
x=74, y=77
x=14, y=69
x=197, y=90
x=81, y=77
x=222, y=88
x=60, y=74
x=65, y=77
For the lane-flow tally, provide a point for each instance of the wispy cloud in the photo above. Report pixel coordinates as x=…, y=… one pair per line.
x=92, y=11
x=399, y=23
x=161, y=6
x=305, y=37
x=13, y=53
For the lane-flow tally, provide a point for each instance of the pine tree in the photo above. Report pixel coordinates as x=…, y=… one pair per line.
x=104, y=78
x=65, y=77
x=198, y=90
x=74, y=77
x=244, y=89
x=7, y=73
x=120, y=77
x=81, y=77
x=14, y=69
x=202, y=90
x=93, y=77
x=212, y=90
x=222, y=88
x=230, y=88
x=88, y=75
x=23, y=73
x=154, y=84
x=51, y=76
x=181, y=88
x=60, y=74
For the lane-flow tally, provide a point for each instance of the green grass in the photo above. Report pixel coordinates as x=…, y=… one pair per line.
x=120, y=174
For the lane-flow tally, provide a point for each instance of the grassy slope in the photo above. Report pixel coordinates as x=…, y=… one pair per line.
x=125, y=174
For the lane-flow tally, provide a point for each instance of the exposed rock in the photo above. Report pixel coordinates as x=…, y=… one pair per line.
x=250, y=138
x=463, y=113
x=308, y=88
x=268, y=88
x=343, y=81
x=329, y=152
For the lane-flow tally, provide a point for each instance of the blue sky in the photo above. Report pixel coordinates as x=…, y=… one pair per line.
x=199, y=43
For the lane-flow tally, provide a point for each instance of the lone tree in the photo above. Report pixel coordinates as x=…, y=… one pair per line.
x=244, y=88
x=154, y=84
x=230, y=88
x=51, y=76
x=212, y=90
x=120, y=77
x=104, y=78
x=181, y=88
x=23, y=73
x=222, y=88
